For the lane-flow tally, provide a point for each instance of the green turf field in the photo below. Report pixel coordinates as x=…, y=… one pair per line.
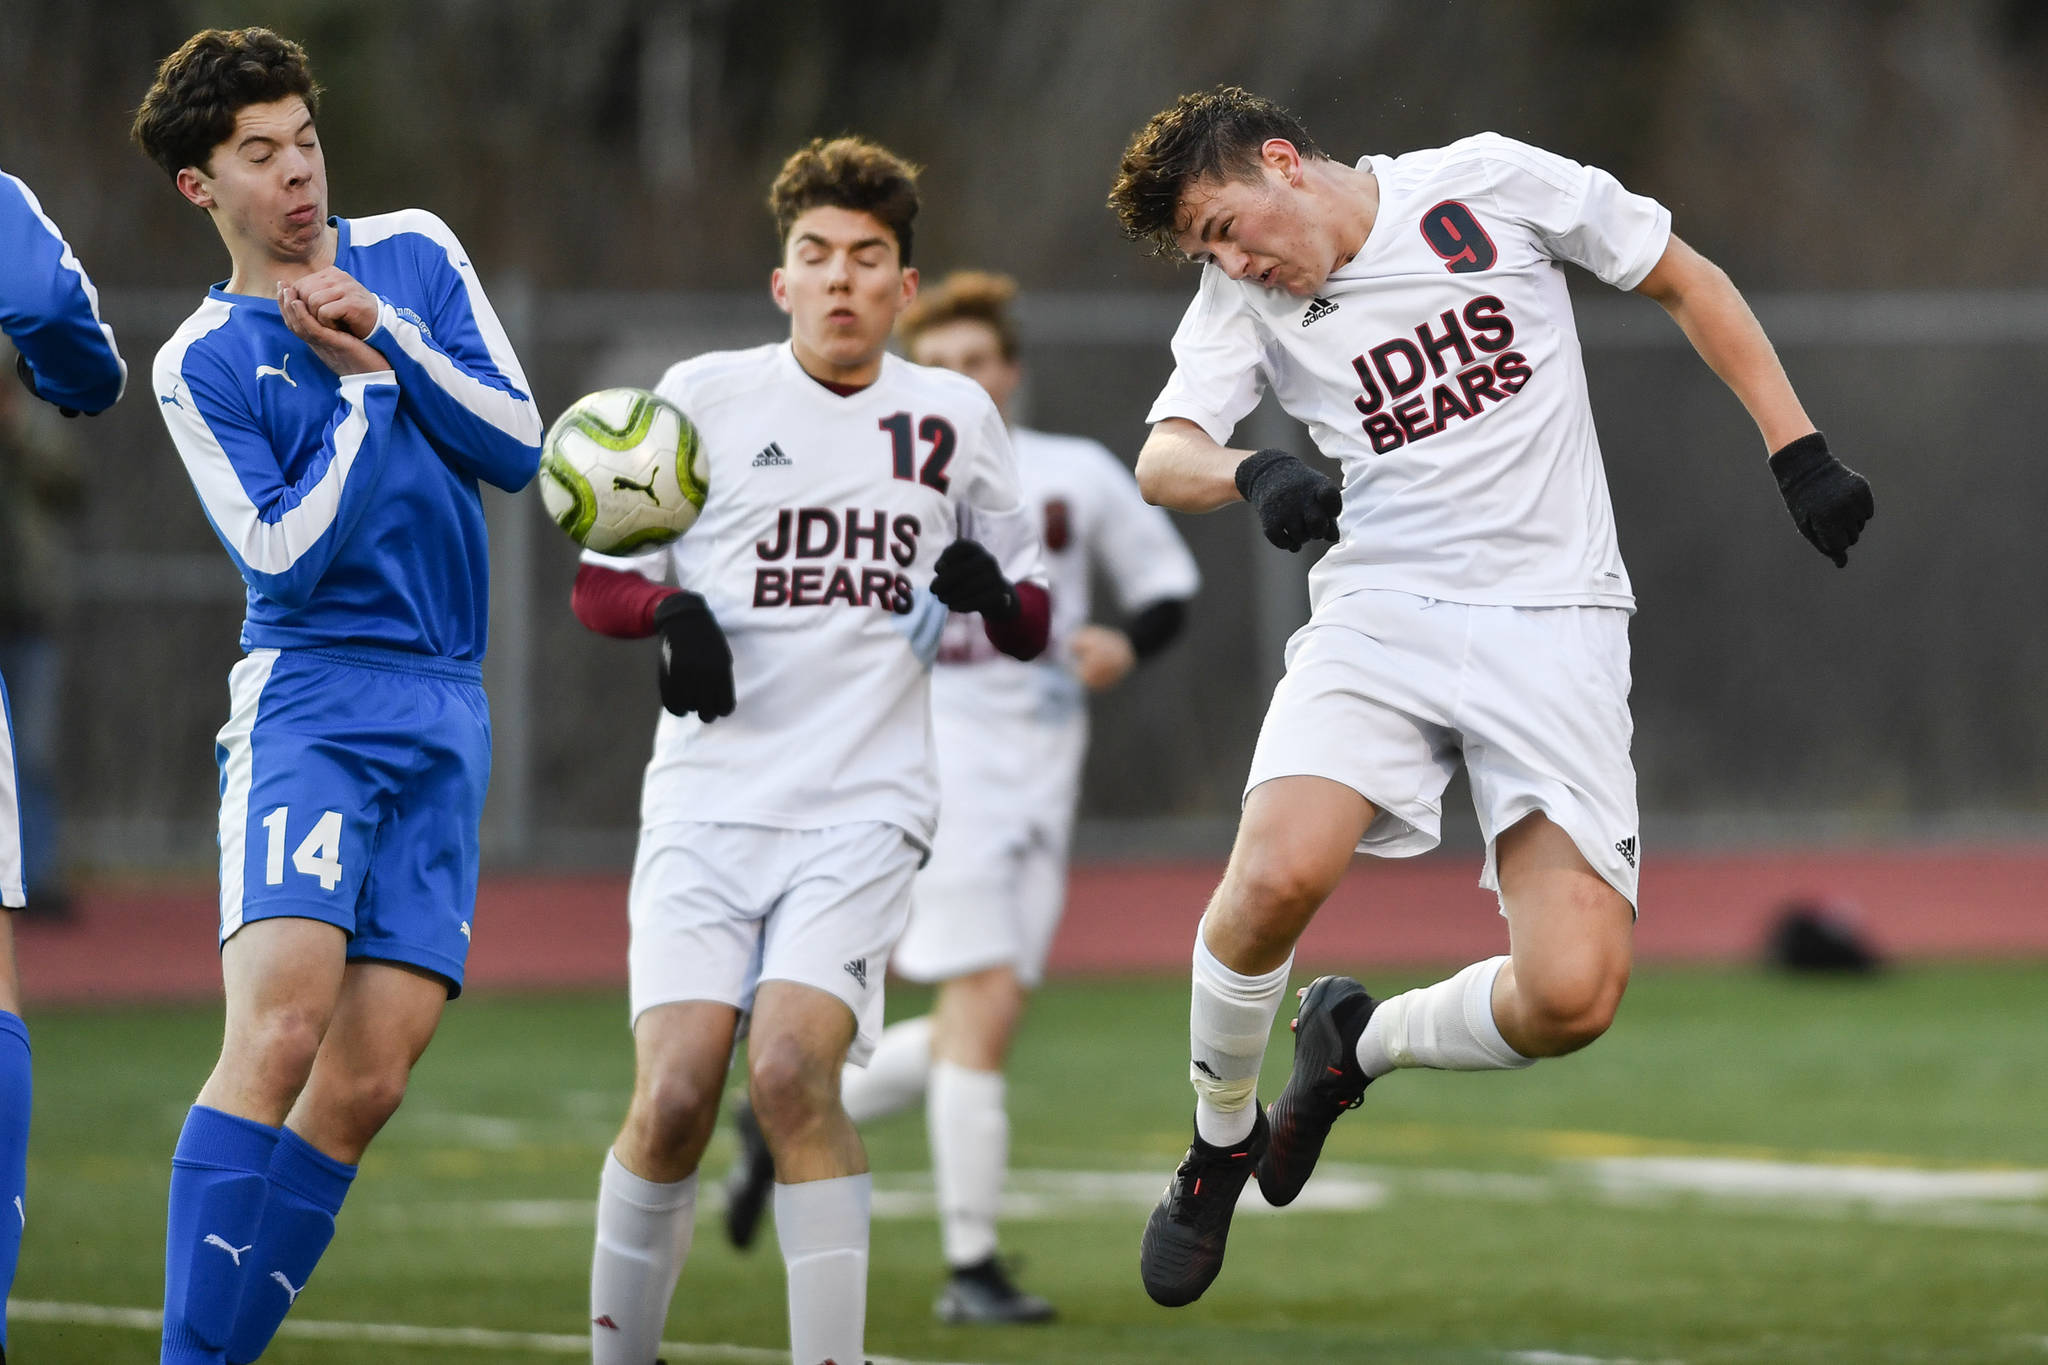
x=1748, y=1170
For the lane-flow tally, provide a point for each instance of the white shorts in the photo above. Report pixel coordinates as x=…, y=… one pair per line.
x=996, y=885
x=718, y=909
x=1384, y=691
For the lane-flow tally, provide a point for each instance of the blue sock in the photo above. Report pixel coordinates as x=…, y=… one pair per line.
x=306, y=1190
x=218, y=1186
x=14, y=1104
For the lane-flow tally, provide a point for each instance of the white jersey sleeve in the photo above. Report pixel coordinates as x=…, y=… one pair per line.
x=1579, y=214
x=1219, y=361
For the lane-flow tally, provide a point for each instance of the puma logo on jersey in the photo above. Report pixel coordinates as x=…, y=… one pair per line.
x=858, y=970
x=620, y=483
x=1627, y=849
x=278, y=1275
x=169, y=400
x=1318, y=309
x=770, y=456
x=265, y=371
x=464, y=926
x=214, y=1239
x=19, y=1211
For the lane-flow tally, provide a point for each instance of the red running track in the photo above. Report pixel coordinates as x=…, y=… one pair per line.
x=556, y=930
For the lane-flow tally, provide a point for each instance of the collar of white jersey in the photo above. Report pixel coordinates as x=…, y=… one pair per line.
x=1376, y=236
x=824, y=397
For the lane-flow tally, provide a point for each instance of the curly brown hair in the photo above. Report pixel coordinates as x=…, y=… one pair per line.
x=965, y=296
x=199, y=89
x=847, y=173
x=1212, y=134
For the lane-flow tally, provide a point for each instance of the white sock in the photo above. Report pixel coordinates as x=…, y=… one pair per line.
x=1448, y=1026
x=1229, y=1020
x=970, y=1137
x=895, y=1077
x=643, y=1234
x=823, y=1228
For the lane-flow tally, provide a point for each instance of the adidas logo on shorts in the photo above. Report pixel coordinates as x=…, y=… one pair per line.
x=1627, y=849
x=770, y=456
x=1318, y=309
x=858, y=970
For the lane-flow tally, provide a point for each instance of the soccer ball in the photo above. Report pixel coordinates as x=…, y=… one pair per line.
x=621, y=471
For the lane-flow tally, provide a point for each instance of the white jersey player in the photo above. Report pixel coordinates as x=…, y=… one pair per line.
x=854, y=498
x=1011, y=740
x=1412, y=312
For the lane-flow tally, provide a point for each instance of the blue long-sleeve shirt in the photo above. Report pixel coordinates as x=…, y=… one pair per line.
x=350, y=505
x=50, y=309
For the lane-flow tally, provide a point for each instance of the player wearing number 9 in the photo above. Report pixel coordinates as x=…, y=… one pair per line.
x=336, y=403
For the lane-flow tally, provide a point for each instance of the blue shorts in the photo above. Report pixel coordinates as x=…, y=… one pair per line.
x=351, y=788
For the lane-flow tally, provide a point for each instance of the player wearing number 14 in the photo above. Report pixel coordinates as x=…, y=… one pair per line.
x=335, y=402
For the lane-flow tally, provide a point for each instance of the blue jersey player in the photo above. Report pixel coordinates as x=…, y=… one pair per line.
x=66, y=355
x=336, y=402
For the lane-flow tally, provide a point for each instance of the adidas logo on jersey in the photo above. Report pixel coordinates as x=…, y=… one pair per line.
x=1627, y=849
x=858, y=970
x=770, y=456
x=1318, y=309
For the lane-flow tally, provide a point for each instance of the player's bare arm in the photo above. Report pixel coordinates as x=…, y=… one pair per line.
x=1182, y=467
x=1829, y=501
x=1102, y=656
x=1711, y=312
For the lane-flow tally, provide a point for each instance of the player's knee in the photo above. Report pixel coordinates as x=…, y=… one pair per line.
x=791, y=1087
x=674, y=1110
x=1564, y=1010
x=1277, y=888
x=369, y=1099
x=277, y=1049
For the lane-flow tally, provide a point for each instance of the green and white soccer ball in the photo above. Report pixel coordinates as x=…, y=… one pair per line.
x=621, y=470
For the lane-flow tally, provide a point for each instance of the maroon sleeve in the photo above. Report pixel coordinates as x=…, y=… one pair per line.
x=1023, y=636
x=616, y=602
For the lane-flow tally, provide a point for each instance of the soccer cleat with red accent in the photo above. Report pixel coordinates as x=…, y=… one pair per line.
x=1183, y=1247
x=1325, y=1082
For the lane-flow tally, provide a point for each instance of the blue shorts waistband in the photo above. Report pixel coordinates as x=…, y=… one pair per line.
x=398, y=661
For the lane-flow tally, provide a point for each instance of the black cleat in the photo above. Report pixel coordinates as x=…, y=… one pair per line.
x=1183, y=1247
x=751, y=1177
x=983, y=1293
x=1325, y=1082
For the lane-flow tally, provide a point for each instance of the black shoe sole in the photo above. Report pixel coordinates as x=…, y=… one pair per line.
x=1299, y=1122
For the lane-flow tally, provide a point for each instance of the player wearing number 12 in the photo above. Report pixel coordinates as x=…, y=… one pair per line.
x=853, y=498
x=336, y=401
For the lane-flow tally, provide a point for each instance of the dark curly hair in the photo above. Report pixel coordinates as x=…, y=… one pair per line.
x=199, y=89
x=965, y=296
x=847, y=173
x=1214, y=134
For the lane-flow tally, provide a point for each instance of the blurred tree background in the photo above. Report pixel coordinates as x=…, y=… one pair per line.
x=1870, y=172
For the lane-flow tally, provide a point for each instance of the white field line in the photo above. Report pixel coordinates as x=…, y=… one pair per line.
x=1992, y=1200
x=400, y=1334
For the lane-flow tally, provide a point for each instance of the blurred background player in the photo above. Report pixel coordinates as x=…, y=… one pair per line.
x=855, y=498
x=1411, y=311
x=335, y=402
x=1011, y=738
x=65, y=356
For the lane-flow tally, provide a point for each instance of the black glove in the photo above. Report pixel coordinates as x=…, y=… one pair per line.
x=28, y=381
x=967, y=578
x=1829, y=501
x=1295, y=504
x=696, y=663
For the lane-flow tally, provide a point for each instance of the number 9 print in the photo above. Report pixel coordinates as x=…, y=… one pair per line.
x=1454, y=234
